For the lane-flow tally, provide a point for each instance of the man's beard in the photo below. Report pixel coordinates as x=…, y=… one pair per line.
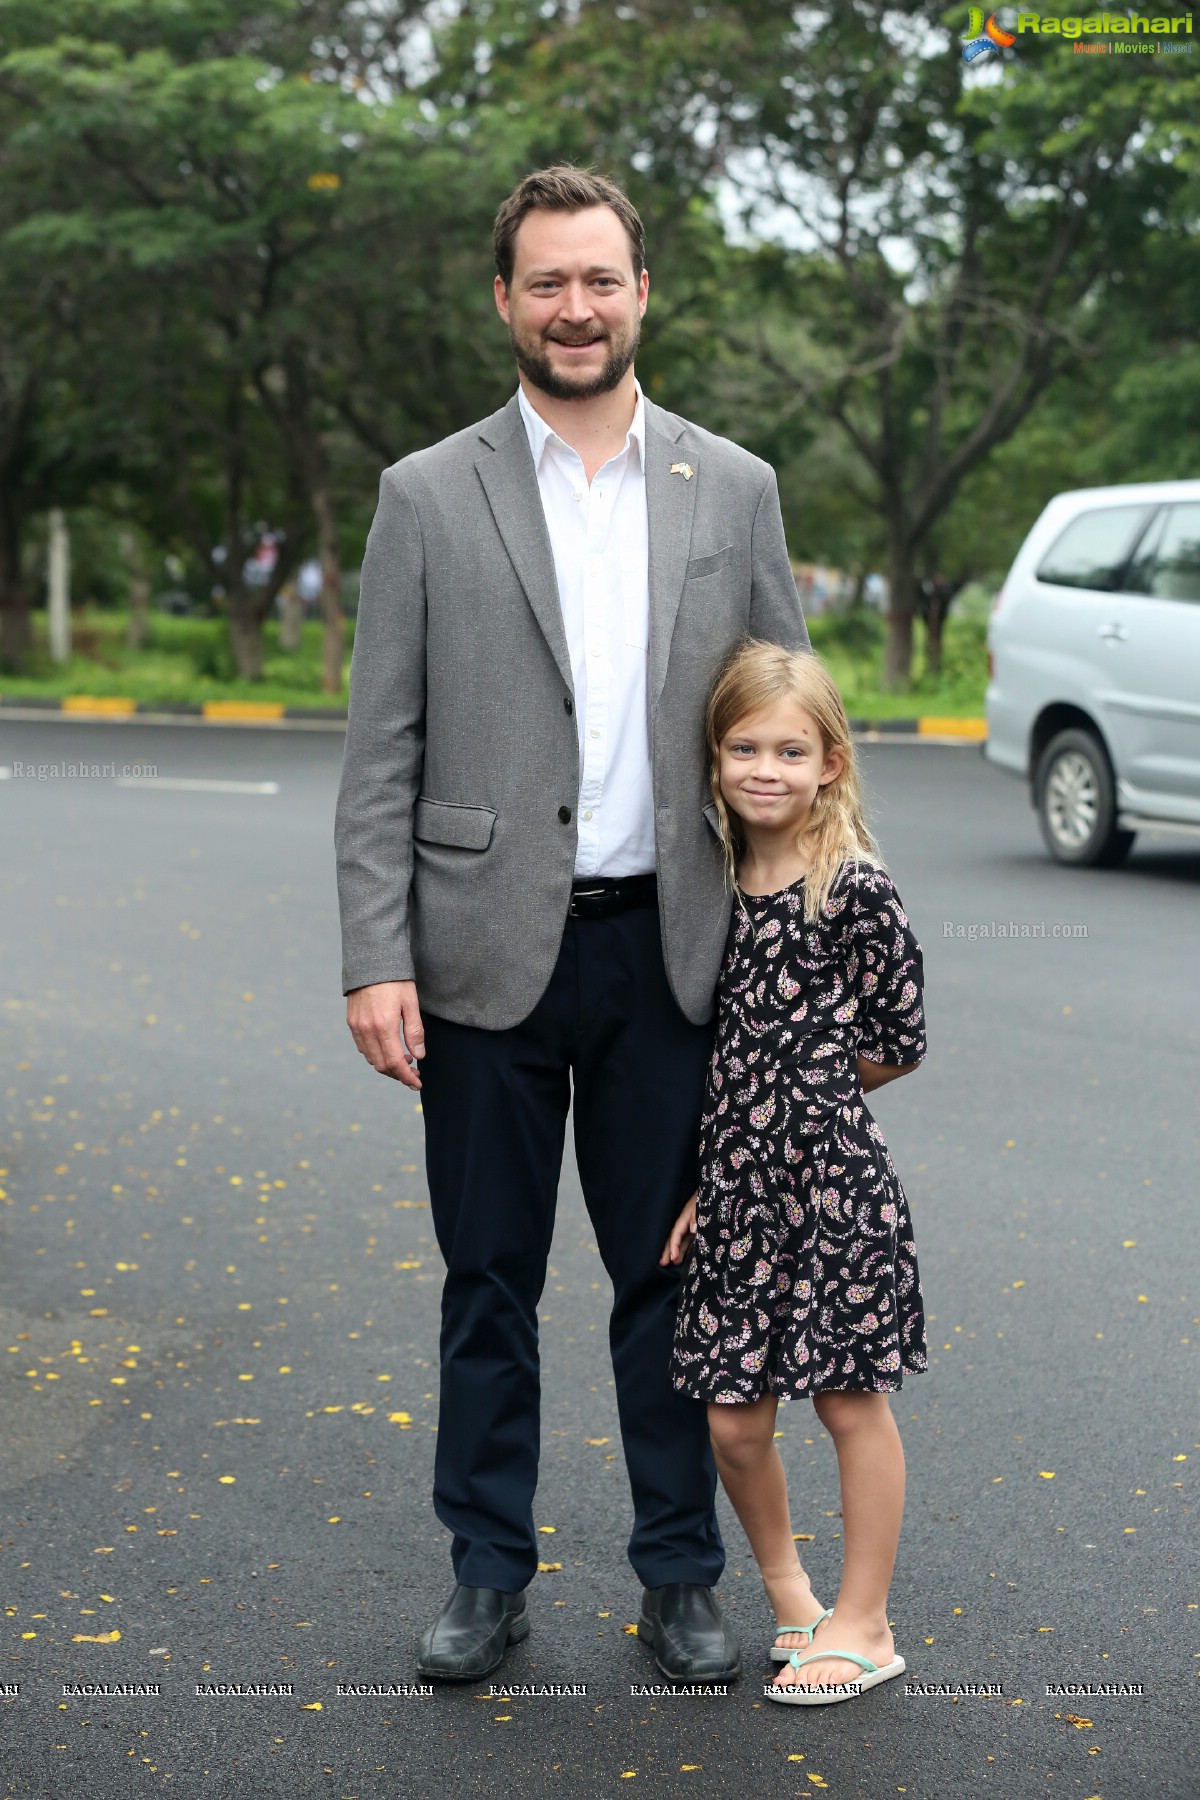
x=535, y=364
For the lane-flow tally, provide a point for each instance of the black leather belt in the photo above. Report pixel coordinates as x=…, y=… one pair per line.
x=599, y=896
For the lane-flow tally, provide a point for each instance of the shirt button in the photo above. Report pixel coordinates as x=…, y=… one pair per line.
x=587, y=815
x=579, y=493
x=593, y=734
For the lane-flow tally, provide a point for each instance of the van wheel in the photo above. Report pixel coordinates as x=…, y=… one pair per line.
x=1076, y=802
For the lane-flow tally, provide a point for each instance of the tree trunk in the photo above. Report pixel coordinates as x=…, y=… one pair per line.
x=934, y=614
x=291, y=613
x=902, y=592
x=245, y=635
x=15, y=637
x=58, y=587
x=310, y=466
x=333, y=645
x=139, y=588
x=249, y=610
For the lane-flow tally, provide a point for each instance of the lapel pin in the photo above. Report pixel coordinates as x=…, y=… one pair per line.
x=684, y=469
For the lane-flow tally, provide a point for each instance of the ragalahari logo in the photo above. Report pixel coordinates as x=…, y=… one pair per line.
x=985, y=37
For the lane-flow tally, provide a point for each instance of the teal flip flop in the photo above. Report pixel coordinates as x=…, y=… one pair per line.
x=846, y=1690
x=781, y=1655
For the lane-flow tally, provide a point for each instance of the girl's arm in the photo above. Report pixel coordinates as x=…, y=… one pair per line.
x=682, y=1233
x=874, y=1074
x=889, y=979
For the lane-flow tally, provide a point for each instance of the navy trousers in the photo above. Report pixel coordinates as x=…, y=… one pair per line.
x=495, y=1107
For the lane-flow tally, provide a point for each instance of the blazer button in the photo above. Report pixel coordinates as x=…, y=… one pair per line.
x=564, y=814
x=568, y=703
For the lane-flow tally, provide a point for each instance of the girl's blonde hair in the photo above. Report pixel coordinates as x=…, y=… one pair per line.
x=751, y=677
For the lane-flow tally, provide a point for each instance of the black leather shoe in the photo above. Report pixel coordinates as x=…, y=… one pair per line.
x=691, y=1641
x=471, y=1633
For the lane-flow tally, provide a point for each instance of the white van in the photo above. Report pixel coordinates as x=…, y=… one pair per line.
x=1094, y=667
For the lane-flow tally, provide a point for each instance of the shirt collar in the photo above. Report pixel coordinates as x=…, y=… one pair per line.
x=540, y=433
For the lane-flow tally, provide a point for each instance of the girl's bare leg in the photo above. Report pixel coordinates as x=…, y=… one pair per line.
x=752, y=1474
x=871, y=1466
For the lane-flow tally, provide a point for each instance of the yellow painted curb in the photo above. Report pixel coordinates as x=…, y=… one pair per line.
x=243, y=709
x=968, y=728
x=97, y=703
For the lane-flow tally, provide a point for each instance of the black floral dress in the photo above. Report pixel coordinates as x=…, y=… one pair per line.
x=803, y=1277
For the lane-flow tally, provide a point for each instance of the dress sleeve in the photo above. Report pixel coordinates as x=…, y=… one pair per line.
x=885, y=970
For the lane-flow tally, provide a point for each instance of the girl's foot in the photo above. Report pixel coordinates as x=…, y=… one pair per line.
x=841, y=1631
x=791, y=1598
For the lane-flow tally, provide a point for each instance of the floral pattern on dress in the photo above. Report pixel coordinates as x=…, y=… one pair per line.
x=803, y=1276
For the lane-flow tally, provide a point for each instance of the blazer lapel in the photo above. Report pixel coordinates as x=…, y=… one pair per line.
x=510, y=483
x=670, y=508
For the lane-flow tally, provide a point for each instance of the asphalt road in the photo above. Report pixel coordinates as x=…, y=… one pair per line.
x=219, y=1299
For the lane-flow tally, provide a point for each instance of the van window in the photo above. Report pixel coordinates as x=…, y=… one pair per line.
x=1093, y=549
x=1175, y=574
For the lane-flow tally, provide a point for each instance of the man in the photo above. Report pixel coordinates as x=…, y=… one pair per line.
x=531, y=884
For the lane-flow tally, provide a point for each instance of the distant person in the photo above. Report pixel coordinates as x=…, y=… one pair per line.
x=259, y=566
x=802, y=1277
x=531, y=888
x=310, y=579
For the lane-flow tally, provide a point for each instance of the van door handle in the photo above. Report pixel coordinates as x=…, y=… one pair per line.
x=1114, y=633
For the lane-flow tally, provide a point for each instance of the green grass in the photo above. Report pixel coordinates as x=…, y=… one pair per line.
x=185, y=660
x=188, y=661
x=851, y=647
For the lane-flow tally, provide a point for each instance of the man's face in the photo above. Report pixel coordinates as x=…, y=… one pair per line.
x=574, y=309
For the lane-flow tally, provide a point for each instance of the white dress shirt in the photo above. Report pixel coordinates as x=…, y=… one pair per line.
x=600, y=538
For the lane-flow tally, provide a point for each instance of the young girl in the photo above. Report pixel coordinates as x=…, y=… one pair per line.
x=803, y=1276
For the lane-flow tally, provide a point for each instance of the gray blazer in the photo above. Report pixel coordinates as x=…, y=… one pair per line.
x=455, y=826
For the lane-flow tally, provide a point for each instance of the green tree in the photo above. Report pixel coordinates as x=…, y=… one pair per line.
x=245, y=257
x=963, y=237
x=210, y=192
x=948, y=240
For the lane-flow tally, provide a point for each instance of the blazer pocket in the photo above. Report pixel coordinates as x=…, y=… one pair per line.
x=708, y=565
x=446, y=822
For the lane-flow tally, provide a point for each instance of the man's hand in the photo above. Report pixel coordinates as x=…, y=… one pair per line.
x=682, y=1233
x=375, y=1015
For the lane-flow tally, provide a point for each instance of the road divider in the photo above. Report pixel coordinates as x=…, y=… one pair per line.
x=274, y=712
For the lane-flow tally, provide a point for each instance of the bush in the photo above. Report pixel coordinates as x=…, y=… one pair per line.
x=859, y=633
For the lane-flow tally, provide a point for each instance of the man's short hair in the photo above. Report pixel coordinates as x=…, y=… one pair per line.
x=563, y=188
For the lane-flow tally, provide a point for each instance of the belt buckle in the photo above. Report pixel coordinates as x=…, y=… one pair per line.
x=585, y=894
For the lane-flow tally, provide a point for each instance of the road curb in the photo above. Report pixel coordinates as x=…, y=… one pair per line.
x=271, y=712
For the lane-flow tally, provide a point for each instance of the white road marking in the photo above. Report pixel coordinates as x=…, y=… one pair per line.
x=200, y=785
x=197, y=784
x=916, y=737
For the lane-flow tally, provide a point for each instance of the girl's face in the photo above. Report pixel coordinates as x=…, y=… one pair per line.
x=771, y=765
